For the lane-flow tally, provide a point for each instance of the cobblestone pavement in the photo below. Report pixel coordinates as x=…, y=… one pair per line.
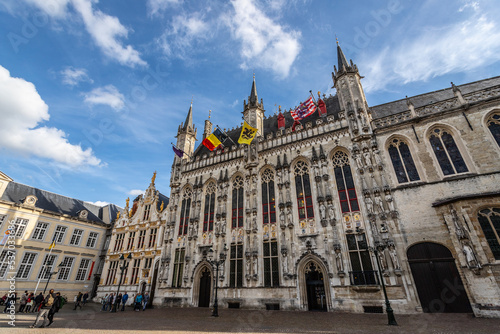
x=198, y=320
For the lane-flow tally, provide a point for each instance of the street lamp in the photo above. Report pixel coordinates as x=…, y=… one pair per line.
x=216, y=263
x=390, y=314
x=122, y=268
x=50, y=276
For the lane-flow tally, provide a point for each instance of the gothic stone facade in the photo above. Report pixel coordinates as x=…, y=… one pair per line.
x=138, y=232
x=301, y=213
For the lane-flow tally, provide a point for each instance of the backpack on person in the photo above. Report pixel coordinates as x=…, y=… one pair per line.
x=50, y=301
x=62, y=301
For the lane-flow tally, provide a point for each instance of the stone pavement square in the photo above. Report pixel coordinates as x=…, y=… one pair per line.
x=198, y=320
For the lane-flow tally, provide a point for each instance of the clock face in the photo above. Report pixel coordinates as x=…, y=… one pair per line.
x=31, y=200
x=84, y=214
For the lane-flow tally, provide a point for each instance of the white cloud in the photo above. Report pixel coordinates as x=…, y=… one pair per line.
x=73, y=76
x=98, y=203
x=107, y=95
x=184, y=31
x=265, y=43
x=157, y=6
x=135, y=192
x=105, y=30
x=22, y=112
x=459, y=47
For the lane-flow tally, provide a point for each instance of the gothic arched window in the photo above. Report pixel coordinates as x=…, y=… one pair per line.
x=402, y=161
x=237, y=203
x=489, y=219
x=303, y=188
x=345, y=183
x=208, y=216
x=268, y=200
x=185, y=207
x=493, y=123
x=447, y=152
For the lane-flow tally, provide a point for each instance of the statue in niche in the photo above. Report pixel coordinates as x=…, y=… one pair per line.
x=338, y=260
x=248, y=264
x=282, y=218
x=367, y=157
x=289, y=216
x=217, y=226
x=223, y=225
x=394, y=256
x=390, y=201
x=285, y=174
x=248, y=221
x=168, y=231
x=359, y=160
x=255, y=266
x=378, y=160
x=470, y=257
x=383, y=262
x=322, y=210
x=378, y=203
x=278, y=176
x=369, y=204
x=165, y=270
x=331, y=211
x=354, y=124
x=284, y=261
x=458, y=226
x=254, y=221
x=363, y=118
x=253, y=152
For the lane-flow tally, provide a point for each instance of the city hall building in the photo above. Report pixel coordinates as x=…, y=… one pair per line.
x=301, y=212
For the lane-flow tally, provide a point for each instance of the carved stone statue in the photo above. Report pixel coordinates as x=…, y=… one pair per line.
x=338, y=260
x=394, y=256
x=223, y=225
x=367, y=157
x=470, y=257
x=217, y=226
x=383, y=262
x=390, y=201
x=165, y=270
x=369, y=204
x=331, y=211
x=282, y=219
x=359, y=160
x=248, y=264
x=379, y=203
x=255, y=265
x=378, y=160
x=322, y=210
x=254, y=222
x=289, y=216
x=284, y=261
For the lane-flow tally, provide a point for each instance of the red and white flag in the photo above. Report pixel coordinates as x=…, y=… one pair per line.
x=305, y=109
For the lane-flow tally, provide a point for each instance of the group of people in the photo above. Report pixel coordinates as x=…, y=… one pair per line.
x=28, y=302
x=140, y=301
x=81, y=300
x=50, y=305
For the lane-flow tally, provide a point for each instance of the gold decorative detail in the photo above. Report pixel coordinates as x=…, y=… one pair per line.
x=161, y=206
x=153, y=178
x=118, y=215
x=127, y=201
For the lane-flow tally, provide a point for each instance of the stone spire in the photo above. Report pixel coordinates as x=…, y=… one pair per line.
x=188, y=123
x=253, y=111
x=186, y=134
x=207, y=131
x=342, y=61
x=253, y=98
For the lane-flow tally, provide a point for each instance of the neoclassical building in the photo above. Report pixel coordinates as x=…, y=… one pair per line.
x=138, y=232
x=300, y=212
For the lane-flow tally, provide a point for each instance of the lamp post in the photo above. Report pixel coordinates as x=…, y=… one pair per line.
x=50, y=276
x=390, y=314
x=216, y=263
x=122, y=268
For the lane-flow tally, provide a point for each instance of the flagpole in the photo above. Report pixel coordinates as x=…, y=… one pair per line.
x=316, y=103
x=217, y=126
x=180, y=150
x=43, y=273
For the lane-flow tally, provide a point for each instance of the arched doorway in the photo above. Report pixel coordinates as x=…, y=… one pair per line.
x=153, y=284
x=439, y=286
x=204, y=294
x=143, y=287
x=315, y=285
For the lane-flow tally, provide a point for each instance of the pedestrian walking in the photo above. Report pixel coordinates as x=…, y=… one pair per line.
x=10, y=302
x=58, y=303
x=78, y=302
x=109, y=304
x=103, y=302
x=38, y=302
x=3, y=299
x=124, y=301
x=29, y=303
x=118, y=301
x=23, y=301
x=145, y=301
x=85, y=297
x=138, y=302
x=45, y=308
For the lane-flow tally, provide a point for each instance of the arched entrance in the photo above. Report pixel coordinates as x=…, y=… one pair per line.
x=204, y=292
x=439, y=286
x=316, y=296
x=143, y=287
x=153, y=284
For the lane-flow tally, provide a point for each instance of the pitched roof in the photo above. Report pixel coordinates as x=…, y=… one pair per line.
x=17, y=192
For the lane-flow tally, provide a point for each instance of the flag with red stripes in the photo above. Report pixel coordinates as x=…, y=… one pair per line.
x=305, y=109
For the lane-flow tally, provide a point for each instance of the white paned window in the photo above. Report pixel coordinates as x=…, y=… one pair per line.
x=92, y=240
x=20, y=226
x=47, y=266
x=26, y=264
x=59, y=234
x=65, y=268
x=82, y=270
x=3, y=218
x=6, y=258
x=40, y=230
x=76, y=237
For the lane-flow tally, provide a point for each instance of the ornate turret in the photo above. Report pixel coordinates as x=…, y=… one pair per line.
x=207, y=131
x=186, y=134
x=253, y=111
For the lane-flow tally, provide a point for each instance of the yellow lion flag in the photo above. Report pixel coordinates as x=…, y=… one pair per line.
x=247, y=134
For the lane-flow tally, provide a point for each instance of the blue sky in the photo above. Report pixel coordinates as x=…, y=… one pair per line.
x=92, y=92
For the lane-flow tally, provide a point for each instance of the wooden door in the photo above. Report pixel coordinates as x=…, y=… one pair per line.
x=205, y=280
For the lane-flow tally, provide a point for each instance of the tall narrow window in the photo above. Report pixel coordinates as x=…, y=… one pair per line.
x=185, y=208
x=130, y=242
x=268, y=200
x=92, y=239
x=59, y=233
x=236, y=266
x=65, y=268
x=362, y=270
x=402, y=161
x=178, y=268
x=147, y=209
x=19, y=227
x=40, y=230
x=152, y=237
x=76, y=237
x=113, y=265
x=208, y=215
x=237, y=203
x=135, y=271
x=26, y=264
x=47, y=266
x=119, y=242
x=7, y=258
x=82, y=270
x=447, y=153
x=303, y=189
x=489, y=219
x=493, y=123
x=271, y=267
x=140, y=241
x=345, y=183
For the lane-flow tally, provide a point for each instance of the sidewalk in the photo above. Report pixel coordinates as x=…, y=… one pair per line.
x=198, y=320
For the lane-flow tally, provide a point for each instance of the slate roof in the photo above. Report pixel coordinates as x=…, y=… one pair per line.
x=17, y=192
x=162, y=198
x=421, y=100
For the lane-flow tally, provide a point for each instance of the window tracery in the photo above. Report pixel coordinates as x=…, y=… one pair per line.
x=489, y=219
x=303, y=190
x=493, y=124
x=185, y=209
x=208, y=216
x=268, y=198
x=237, y=202
x=345, y=182
x=447, y=153
x=402, y=161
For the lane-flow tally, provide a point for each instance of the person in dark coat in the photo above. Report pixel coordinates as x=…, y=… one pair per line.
x=11, y=300
x=85, y=297
x=38, y=302
x=78, y=302
x=55, y=308
x=118, y=301
x=124, y=301
x=47, y=304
